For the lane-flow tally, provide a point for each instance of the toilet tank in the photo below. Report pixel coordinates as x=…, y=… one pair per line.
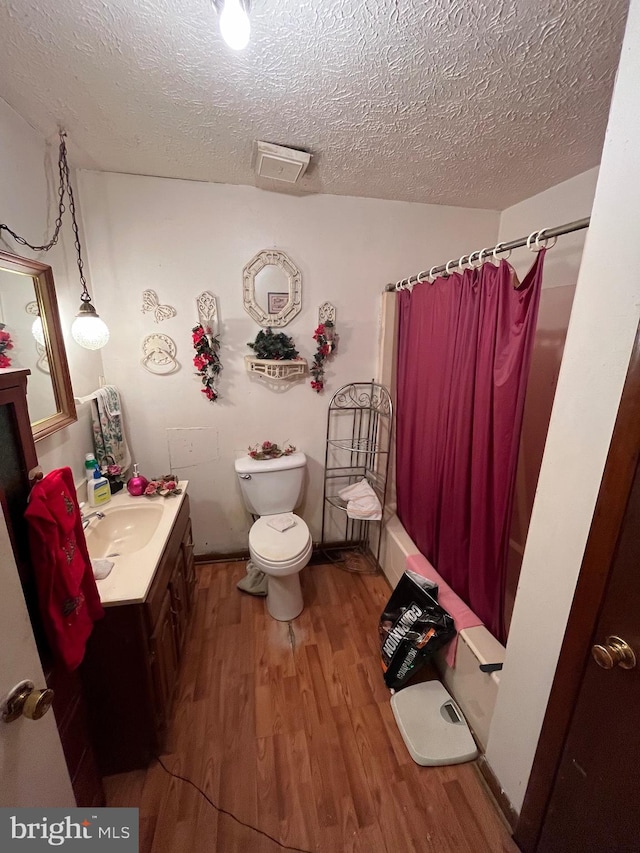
x=270, y=486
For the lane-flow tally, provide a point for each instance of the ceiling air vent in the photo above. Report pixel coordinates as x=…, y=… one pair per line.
x=279, y=163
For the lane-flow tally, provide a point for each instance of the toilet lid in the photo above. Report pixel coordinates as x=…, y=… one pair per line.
x=278, y=546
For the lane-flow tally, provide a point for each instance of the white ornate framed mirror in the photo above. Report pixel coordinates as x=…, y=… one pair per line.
x=29, y=317
x=272, y=288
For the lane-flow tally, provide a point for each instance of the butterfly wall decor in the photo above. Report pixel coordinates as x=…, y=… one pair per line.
x=150, y=302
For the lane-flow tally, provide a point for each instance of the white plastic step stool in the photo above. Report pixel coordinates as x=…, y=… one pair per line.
x=432, y=725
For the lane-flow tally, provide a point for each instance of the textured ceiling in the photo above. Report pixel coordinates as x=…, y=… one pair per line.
x=472, y=102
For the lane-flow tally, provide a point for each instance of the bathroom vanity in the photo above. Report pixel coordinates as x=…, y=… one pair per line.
x=133, y=656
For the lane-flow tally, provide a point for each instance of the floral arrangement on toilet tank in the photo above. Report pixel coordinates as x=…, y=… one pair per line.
x=270, y=450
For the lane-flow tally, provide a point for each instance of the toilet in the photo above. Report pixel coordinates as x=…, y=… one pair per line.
x=270, y=487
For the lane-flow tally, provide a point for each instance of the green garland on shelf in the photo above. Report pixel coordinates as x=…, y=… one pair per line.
x=274, y=346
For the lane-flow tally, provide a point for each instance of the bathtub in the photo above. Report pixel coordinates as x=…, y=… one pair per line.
x=474, y=691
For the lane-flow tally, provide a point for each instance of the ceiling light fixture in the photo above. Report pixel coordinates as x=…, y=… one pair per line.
x=235, y=26
x=88, y=329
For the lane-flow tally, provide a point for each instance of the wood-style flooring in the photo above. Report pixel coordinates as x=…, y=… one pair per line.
x=289, y=726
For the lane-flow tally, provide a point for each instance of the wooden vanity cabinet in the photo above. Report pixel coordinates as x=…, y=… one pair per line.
x=133, y=657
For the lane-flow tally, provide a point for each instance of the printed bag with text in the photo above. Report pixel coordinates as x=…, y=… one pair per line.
x=412, y=628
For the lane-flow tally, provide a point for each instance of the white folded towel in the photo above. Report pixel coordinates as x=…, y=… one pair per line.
x=282, y=522
x=362, y=501
x=356, y=490
x=101, y=568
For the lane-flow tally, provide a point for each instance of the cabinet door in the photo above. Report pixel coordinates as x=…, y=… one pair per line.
x=179, y=601
x=189, y=566
x=164, y=660
x=18, y=461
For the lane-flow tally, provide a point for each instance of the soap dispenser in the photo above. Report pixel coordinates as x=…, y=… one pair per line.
x=137, y=483
x=98, y=490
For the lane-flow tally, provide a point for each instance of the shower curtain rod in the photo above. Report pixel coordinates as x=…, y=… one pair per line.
x=535, y=237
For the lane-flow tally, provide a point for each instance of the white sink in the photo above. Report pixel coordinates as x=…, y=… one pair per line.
x=123, y=530
x=132, y=535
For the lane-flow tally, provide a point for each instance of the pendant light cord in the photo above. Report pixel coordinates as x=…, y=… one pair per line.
x=64, y=186
x=62, y=160
x=72, y=210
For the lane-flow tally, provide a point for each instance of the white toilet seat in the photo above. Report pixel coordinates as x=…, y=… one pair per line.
x=281, y=555
x=287, y=567
x=276, y=548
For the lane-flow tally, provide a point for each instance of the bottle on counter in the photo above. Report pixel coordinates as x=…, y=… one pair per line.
x=98, y=489
x=90, y=465
x=137, y=483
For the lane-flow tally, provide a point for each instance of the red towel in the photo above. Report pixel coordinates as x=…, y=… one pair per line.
x=463, y=616
x=67, y=592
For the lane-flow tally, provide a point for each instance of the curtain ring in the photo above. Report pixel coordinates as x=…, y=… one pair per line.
x=446, y=267
x=480, y=254
x=419, y=279
x=460, y=269
x=432, y=274
x=398, y=286
x=470, y=263
x=546, y=239
x=530, y=239
x=498, y=250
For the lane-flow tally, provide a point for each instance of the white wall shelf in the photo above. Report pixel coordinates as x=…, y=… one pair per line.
x=277, y=369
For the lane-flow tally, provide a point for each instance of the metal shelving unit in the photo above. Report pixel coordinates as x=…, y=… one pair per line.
x=359, y=424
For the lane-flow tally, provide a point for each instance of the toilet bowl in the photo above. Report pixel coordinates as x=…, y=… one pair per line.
x=281, y=555
x=271, y=487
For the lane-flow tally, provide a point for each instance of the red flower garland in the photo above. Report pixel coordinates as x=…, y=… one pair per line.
x=324, y=337
x=5, y=344
x=206, y=360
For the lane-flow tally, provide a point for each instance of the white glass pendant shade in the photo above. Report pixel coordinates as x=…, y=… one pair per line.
x=235, y=25
x=88, y=329
x=37, y=331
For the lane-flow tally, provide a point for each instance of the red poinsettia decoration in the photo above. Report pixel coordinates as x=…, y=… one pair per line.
x=325, y=338
x=5, y=344
x=206, y=360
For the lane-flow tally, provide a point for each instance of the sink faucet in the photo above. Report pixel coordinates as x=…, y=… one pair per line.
x=87, y=518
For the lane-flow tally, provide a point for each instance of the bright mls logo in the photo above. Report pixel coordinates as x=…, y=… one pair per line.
x=73, y=829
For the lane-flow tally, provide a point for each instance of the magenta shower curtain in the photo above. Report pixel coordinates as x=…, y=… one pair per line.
x=464, y=349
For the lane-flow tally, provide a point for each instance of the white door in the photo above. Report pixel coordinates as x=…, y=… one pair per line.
x=33, y=771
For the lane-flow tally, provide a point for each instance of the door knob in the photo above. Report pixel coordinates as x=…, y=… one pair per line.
x=615, y=652
x=24, y=700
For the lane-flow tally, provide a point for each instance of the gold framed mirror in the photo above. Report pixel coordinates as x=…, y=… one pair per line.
x=29, y=317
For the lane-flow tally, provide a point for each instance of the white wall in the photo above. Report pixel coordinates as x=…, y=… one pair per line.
x=601, y=333
x=566, y=202
x=180, y=238
x=28, y=204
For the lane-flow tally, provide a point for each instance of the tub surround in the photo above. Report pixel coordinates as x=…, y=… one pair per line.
x=133, y=573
